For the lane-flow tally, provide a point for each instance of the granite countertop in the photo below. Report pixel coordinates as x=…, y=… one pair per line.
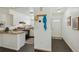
x=11, y=32
x=17, y=30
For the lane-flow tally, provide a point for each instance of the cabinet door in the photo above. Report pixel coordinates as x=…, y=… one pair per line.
x=9, y=41
x=1, y=39
x=21, y=40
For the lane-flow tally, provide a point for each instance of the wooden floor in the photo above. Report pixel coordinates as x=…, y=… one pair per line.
x=60, y=46
x=57, y=46
x=25, y=48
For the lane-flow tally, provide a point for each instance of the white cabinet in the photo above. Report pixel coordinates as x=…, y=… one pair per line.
x=9, y=41
x=20, y=40
x=1, y=39
x=42, y=38
x=9, y=19
x=12, y=41
x=6, y=19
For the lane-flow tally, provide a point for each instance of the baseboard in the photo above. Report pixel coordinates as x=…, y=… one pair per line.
x=72, y=48
x=41, y=50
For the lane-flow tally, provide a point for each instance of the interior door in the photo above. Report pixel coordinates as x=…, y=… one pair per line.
x=56, y=28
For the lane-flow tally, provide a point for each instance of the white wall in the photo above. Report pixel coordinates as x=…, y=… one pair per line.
x=71, y=36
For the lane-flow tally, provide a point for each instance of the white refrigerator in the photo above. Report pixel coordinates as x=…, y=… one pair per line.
x=42, y=36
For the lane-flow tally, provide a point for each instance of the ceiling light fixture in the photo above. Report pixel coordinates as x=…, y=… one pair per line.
x=58, y=10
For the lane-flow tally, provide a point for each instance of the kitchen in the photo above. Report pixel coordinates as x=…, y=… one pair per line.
x=16, y=28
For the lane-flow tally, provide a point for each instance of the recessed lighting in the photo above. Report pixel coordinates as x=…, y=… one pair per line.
x=58, y=10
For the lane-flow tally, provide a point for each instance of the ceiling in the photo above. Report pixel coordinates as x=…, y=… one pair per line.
x=24, y=10
x=54, y=10
x=58, y=12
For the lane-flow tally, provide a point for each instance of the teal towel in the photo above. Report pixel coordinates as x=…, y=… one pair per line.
x=45, y=22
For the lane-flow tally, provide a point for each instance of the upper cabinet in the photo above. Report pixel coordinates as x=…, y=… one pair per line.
x=6, y=19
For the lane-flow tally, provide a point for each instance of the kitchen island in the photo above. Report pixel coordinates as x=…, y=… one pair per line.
x=12, y=39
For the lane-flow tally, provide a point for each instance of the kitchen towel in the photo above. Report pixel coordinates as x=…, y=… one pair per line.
x=45, y=22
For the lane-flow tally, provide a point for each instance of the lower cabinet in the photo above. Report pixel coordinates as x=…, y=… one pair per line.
x=1, y=39
x=12, y=41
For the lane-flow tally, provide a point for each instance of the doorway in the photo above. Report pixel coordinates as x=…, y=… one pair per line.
x=56, y=29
